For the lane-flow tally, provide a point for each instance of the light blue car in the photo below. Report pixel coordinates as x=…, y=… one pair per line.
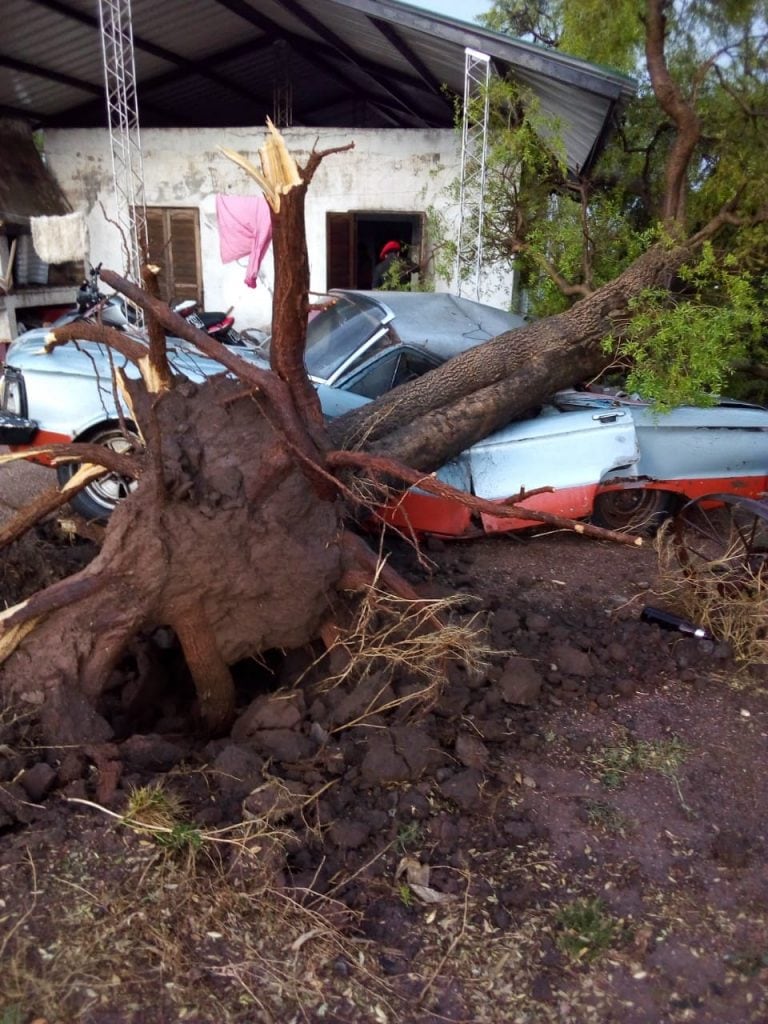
x=607, y=457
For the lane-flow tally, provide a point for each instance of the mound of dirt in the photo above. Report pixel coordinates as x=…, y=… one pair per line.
x=573, y=830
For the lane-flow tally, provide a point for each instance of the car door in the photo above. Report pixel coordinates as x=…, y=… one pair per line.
x=571, y=452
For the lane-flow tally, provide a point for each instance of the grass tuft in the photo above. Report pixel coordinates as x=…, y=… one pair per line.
x=418, y=638
x=153, y=807
x=586, y=930
x=708, y=575
x=600, y=814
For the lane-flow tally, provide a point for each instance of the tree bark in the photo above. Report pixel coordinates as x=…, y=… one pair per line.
x=430, y=420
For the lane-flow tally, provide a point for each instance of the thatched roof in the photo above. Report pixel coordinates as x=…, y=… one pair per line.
x=27, y=188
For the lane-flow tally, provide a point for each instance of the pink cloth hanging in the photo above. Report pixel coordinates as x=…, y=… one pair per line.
x=245, y=229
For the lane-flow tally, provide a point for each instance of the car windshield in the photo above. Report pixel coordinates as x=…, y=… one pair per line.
x=337, y=333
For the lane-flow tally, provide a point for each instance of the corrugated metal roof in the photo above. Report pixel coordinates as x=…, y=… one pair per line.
x=347, y=63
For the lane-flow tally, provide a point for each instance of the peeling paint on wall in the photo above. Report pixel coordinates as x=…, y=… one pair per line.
x=387, y=170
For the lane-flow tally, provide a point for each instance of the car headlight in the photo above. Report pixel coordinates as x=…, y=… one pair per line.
x=12, y=396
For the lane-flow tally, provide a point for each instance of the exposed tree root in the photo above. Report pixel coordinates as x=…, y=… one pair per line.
x=210, y=672
x=235, y=536
x=47, y=503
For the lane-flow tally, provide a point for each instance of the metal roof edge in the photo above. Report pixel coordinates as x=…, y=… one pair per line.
x=531, y=56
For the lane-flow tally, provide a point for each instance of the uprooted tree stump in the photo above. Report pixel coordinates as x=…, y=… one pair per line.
x=235, y=536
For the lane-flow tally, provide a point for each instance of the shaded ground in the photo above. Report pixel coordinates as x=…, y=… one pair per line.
x=574, y=832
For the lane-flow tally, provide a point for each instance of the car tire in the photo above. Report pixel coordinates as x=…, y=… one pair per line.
x=97, y=501
x=632, y=510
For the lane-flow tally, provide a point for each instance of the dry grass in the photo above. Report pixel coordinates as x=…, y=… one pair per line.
x=395, y=636
x=714, y=584
x=156, y=937
x=152, y=942
x=170, y=941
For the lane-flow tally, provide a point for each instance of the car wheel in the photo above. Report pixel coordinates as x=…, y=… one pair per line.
x=632, y=510
x=721, y=545
x=98, y=499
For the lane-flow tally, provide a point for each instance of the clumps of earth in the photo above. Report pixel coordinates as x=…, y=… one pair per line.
x=536, y=757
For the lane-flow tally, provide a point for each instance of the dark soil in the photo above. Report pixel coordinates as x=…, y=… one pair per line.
x=573, y=832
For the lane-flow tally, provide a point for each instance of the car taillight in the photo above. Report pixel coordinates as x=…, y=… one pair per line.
x=12, y=398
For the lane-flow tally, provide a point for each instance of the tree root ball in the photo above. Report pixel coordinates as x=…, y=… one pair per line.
x=226, y=539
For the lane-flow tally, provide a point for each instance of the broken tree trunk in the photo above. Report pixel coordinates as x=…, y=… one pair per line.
x=426, y=422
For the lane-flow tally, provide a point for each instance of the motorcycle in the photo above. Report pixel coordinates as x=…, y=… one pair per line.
x=219, y=325
x=91, y=304
x=115, y=311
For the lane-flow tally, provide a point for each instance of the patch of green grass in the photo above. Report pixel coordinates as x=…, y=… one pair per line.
x=181, y=838
x=600, y=814
x=615, y=763
x=748, y=962
x=409, y=836
x=586, y=930
x=405, y=894
x=158, y=813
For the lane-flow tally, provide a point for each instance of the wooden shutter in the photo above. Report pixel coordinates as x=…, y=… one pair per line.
x=174, y=244
x=338, y=232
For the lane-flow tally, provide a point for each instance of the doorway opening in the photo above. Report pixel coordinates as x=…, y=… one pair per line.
x=355, y=240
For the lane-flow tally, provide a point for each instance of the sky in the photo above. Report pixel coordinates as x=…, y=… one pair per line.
x=465, y=10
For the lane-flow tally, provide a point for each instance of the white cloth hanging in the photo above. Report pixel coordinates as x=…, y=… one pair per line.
x=60, y=239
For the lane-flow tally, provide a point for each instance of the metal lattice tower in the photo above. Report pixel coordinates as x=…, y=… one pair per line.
x=474, y=149
x=282, y=89
x=124, y=138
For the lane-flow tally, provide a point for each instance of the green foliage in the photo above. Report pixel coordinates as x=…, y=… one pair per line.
x=541, y=22
x=566, y=235
x=442, y=248
x=409, y=836
x=682, y=348
x=405, y=893
x=398, y=277
x=608, y=34
x=615, y=762
x=182, y=838
x=586, y=930
x=605, y=816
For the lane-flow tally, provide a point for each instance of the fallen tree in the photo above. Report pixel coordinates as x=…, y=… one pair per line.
x=236, y=536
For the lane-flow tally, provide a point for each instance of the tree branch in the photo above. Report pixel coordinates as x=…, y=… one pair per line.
x=285, y=185
x=381, y=466
x=82, y=330
x=158, y=350
x=726, y=216
x=678, y=109
x=272, y=389
x=564, y=286
x=80, y=451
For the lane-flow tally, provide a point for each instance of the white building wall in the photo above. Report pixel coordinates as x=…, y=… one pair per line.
x=403, y=170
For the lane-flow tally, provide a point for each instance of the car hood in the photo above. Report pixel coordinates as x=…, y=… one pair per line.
x=443, y=323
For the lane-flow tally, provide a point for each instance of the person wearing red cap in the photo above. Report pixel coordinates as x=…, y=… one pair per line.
x=390, y=254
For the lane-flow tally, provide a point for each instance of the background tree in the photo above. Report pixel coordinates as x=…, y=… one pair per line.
x=689, y=149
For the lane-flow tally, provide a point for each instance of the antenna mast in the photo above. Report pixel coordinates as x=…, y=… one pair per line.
x=124, y=137
x=474, y=149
